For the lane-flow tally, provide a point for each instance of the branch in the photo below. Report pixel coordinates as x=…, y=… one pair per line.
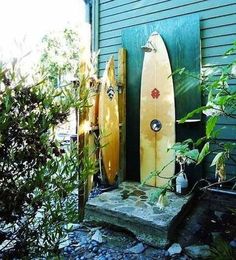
x=218, y=183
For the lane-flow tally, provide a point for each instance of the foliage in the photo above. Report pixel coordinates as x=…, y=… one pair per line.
x=185, y=152
x=36, y=174
x=220, y=103
x=221, y=250
x=60, y=57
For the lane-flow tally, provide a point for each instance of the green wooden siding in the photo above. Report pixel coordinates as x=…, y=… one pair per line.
x=217, y=31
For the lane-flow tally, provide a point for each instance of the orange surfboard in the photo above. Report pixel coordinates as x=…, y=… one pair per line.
x=108, y=121
x=157, y=113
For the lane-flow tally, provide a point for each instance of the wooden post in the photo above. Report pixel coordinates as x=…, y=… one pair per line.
x=122, y=110
x=81, y=144
x=82, y=137
x=93, y=119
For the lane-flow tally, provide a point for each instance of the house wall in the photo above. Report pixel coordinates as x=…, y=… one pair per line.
x=218, y=31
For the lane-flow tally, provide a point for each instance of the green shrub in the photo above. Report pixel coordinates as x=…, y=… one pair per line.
x=36, y=174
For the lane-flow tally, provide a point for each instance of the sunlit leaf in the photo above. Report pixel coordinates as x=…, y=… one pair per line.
x=204, y=152
x=210, y=125
x=217, y=158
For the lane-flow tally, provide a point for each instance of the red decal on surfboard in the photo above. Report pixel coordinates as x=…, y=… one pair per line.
x=155, y=93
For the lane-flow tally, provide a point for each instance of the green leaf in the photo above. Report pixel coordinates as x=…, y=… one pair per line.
x=204, y=152
x=178, y=71
x=200, y=141
x=193, y=154
x=210, y=125
x=194, y=112
x=217, y=158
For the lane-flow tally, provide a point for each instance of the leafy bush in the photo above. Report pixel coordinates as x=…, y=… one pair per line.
x=36, y=174
x=220, y=100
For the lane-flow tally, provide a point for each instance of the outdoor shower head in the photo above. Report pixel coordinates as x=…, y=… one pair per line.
x=148, y=47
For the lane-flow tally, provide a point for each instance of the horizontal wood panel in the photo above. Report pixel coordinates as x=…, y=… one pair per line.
x=105, y=1
x=116, y=4
x=218, y=41
x=206, y=51
x=205, y=32
x=172, y=7
x=225, y=19
x=214, y=51
x=227, y=132
x=227, y=120
x=218, y=61
x=204, y=8
x=221, y=40
x=219, y=31
x=110, y=42
x=123, y=6
x=139, y=9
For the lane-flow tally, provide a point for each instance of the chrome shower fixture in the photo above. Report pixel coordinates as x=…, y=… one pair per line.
x=148, y=47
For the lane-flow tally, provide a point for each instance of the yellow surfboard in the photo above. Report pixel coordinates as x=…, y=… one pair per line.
x=108, y=121
x=157, y=113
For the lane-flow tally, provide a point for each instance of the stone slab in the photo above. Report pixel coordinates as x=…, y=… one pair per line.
x=130, y=207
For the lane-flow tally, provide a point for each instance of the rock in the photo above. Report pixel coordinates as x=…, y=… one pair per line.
x=95, y=249
x=73, y=226
x=233, y=243
x=64, y=242
x=137, y=249
x=198, y=251
x=76, y=245
x=174, y=249
x=102, y=258
x=97, y=237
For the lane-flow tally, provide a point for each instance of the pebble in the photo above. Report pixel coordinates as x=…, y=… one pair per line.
x=137, y=249
x=102, y=258
x=233, y=243
x=97, y=236
x=82, y=247
x=95, y=249
x=174, y=249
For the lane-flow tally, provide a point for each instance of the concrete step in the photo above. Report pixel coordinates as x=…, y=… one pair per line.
x=129, y=207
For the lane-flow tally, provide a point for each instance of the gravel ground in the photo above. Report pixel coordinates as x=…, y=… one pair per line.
x=114, y=245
